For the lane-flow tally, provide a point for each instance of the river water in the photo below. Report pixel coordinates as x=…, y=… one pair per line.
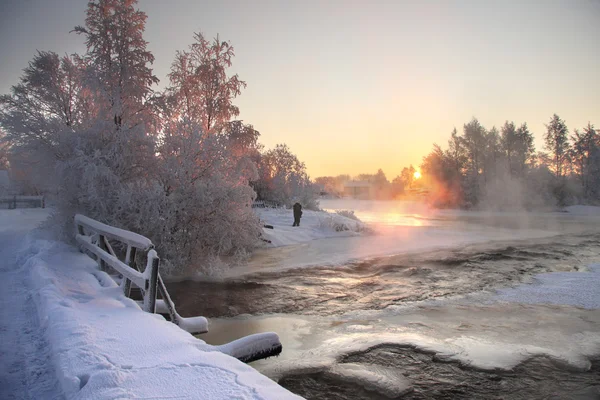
x=429, y=320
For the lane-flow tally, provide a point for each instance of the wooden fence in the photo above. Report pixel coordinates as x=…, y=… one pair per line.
x=95, y=238
x=12, y=202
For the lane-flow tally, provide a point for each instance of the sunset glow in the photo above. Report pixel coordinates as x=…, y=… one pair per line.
x=322, y=105
x=417, y=175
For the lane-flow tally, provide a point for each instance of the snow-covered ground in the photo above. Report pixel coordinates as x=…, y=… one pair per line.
x=313, y=225
x=68, y=332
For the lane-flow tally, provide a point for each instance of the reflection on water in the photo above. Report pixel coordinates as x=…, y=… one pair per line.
x=396, y=213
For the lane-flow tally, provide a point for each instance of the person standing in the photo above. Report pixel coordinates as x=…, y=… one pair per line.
x=297, y=214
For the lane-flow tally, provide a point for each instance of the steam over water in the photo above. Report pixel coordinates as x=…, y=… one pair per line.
x=424, y=323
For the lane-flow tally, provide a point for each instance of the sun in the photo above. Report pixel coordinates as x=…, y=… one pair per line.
x=417, y=175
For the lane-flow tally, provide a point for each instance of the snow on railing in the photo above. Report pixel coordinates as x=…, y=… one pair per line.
x=94, y=236
x=150, y=281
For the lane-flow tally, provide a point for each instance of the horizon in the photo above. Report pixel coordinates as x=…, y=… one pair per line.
x=352, y=87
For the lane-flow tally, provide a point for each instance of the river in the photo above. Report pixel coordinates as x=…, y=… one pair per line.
x=457, y=311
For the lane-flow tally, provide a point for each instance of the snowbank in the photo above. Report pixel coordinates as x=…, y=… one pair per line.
x=583, y=210
x=313, y=225
x=22, y=220
x=103, y=346
x=580, y=289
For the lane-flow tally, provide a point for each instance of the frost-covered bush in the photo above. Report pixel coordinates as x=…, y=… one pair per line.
x=348, y=214
x=341, y=223
x=282, y=178
x=207, y=199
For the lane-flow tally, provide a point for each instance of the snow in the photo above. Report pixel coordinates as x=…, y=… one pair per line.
x=384, y=380
x=101, y=343
x=389, y=228
x=91, y=342
x=580, y=289
x=130, y=238
x=583, y=210
x=22, y=220
x=313, y=225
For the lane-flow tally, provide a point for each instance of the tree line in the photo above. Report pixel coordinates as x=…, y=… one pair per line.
x=501, y=169
x=92, y=131
x=497, y=169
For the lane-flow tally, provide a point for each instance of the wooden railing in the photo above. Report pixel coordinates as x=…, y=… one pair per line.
x=95, y=238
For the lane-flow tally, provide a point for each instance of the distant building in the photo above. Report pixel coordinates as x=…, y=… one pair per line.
x=358, y=189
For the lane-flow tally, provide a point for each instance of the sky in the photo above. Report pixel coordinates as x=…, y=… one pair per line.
x=354, y=86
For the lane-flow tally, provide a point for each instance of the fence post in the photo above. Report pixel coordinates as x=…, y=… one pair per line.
x=150, y=290
x=129, y=260
x=102, y=245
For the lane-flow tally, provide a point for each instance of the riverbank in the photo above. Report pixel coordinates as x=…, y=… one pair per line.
x=68, y=332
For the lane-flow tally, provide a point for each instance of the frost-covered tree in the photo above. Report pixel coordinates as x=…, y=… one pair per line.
x=201, y=88
x=205, y=198
x=45, y=107
x=557, y=143
x=114, y=149
x=333, y=184
x=396, y=187
x=381, y=185
x=456, y=152
x=118, y=62
x=407, y=176
x=475, y=142
x=205, y=164
x=41, y=116
x=585, y=155
x=442, y=177
x=493, y=157
x=4, y=149
x=282, y=178
x=525, y=151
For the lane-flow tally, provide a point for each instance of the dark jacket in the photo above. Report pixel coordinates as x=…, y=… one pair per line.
x=297, y=210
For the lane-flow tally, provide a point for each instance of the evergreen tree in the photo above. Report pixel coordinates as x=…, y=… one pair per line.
x=585, y=155
x=557, y=143
x=525, y=151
